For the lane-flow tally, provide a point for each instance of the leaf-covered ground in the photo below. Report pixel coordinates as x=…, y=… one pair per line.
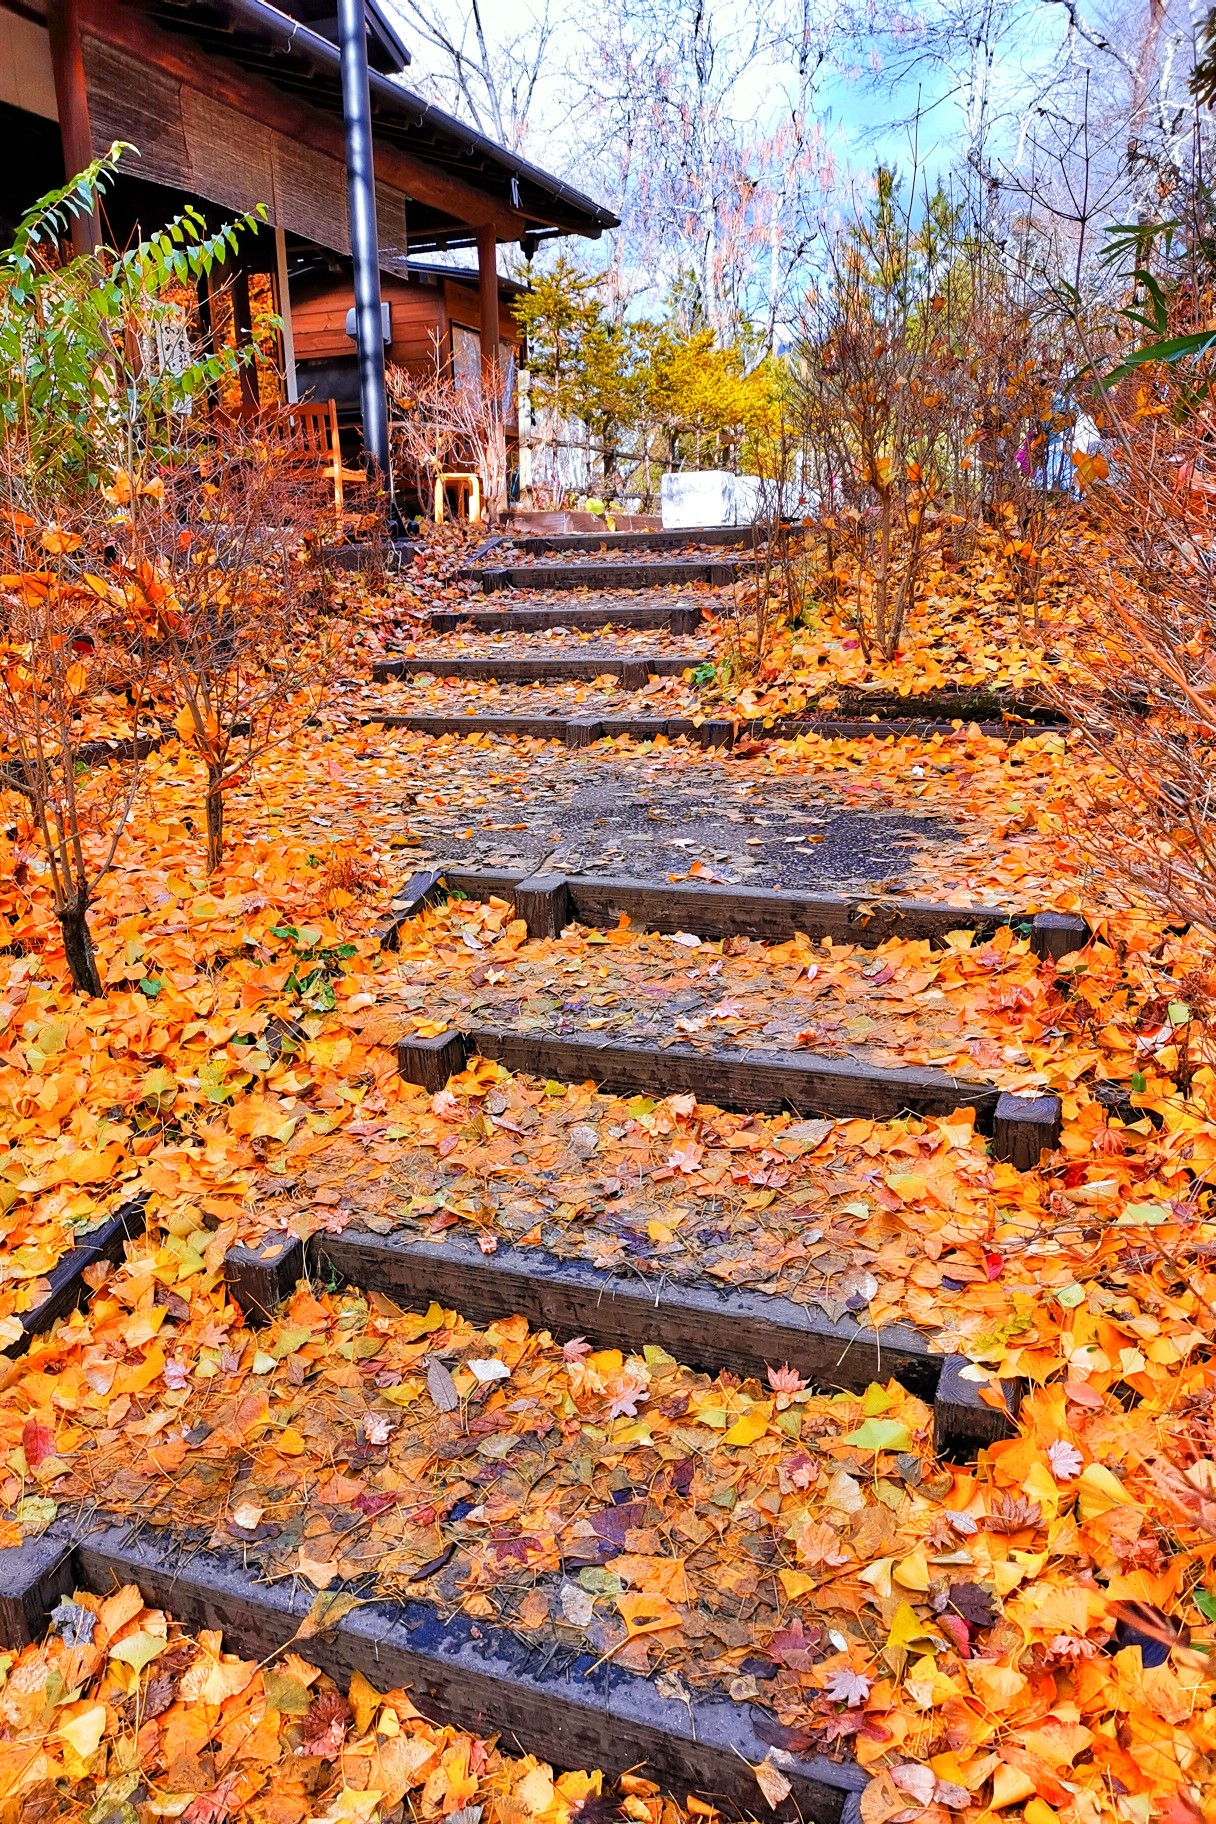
x=970, y=1635
x=153, y=1720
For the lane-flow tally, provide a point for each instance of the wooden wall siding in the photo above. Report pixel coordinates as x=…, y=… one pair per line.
x=319, y=323
x=463, y=305
x=189, y=139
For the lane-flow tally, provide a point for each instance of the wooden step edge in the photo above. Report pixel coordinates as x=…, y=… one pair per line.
x=905, y=728
x=548, y=902
x=67, y=1285
x=570, y=1711
x=669, y=539
x=582, y=731
x=1021, y=1128
x=613, y=574
x=705, y=1325
x=633, y=670
x=608, y=613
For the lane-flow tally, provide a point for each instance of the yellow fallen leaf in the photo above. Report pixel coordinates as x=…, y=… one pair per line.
x=364, y=1700
x=84, y=1732
x=138, y=1649
x=913, y=1571
x=535, y=1791
x=320, y=1572
x=1098, y=1491
x=751, y=1426
x=1009, y=1786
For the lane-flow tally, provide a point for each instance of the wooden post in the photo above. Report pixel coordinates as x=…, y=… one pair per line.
x=487, y=273
x=242, y=329
x=72, y=102
x=287, y=338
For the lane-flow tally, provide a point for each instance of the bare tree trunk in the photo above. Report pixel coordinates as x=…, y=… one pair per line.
x=215, y=819
x=78, y=946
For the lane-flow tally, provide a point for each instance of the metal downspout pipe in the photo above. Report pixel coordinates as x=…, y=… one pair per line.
x=364, y=244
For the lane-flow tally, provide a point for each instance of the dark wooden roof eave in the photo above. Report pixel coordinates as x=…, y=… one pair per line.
x=262, y=41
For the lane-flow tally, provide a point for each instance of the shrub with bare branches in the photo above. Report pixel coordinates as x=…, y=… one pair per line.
x=442, y=422
x=1143, y=686
x=214, y=565
x=875, y=396
x=61, y=654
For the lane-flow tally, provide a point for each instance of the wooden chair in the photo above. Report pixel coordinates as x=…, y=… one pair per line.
x=468, y=495
x=313, y=437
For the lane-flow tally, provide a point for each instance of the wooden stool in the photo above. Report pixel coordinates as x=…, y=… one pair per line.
x=468, y=496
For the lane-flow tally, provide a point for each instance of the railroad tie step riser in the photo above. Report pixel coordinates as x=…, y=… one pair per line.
x=719, y=573
x=550, y=901
x=473, y=1675
x=540, y=620
x=755, y=1082
x=632, y=673
x=583, y=731
x=707, y=1327
x=671, y=539
x=67, y=1286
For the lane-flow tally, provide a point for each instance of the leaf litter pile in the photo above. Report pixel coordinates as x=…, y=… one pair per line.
x=121, y=1713
x=1014, y=1630
x=1030, y=1637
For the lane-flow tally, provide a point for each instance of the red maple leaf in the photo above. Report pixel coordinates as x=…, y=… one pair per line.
x=37, y=1442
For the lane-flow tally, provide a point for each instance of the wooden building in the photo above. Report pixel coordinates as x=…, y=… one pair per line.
x=433, y=312
x=232, y=103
